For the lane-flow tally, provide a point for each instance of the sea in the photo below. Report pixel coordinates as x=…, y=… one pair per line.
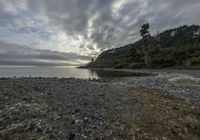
x=69, y=72
x=66, y=72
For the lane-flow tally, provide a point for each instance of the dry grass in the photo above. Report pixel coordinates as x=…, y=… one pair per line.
x=155, y=114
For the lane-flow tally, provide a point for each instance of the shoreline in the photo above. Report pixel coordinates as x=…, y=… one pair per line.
x=195, y=73
x=165, y=68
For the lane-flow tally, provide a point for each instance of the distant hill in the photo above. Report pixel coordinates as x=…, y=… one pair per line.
x=173, y=48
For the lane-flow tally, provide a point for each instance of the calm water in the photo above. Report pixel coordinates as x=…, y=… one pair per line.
x=63, y=72
x=80, y=73
x=47, y=72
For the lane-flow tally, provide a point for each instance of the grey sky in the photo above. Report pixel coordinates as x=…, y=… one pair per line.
x=70, y=32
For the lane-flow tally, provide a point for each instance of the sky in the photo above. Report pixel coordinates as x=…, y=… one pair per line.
x=71, y=32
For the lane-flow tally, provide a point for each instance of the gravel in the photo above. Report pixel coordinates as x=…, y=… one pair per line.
x=182, y=85
x=76, y=109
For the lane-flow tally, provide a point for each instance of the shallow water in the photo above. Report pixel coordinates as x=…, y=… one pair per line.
x=47, y=72
x=82, y=73
x=66, y=72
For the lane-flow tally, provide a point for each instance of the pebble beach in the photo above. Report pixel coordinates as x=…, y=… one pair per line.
x=156, y=107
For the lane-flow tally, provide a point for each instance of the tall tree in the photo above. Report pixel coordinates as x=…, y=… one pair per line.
x=92, y=59
x=146, y=40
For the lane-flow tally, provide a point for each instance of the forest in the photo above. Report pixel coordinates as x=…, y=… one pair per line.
x=174, y=48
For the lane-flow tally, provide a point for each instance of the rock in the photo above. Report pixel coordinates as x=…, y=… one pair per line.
x=72, y=136
x=77, y=110
x=30, y=127
x=94, y=109
x=38, y=129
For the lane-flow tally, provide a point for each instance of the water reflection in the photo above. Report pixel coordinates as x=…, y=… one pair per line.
x=66, y=72
x=63, y=72
x=81, y=73
x=115, y=74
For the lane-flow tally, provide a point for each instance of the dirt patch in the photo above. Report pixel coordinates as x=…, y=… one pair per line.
x=155, y=114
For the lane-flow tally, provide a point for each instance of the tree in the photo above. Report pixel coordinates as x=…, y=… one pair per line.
x=92, y=59
x=146, y=41
x=145, y=31
x=155, y=51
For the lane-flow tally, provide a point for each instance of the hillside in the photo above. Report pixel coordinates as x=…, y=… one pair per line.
x=173, y=48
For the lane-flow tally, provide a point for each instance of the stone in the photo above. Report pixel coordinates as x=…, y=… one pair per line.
x=72, y=136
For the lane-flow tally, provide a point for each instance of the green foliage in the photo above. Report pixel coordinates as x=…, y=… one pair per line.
x=174, y=48
x=144, y=30
x=193, y=61
x=135, y=65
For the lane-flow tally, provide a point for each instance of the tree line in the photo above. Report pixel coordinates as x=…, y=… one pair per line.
x=173, y=48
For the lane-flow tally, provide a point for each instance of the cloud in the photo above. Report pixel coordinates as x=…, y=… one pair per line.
x=13, y=54
x=107, y=23
x=89, y=27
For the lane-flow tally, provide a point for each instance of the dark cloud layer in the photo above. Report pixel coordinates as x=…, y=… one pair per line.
x=86, y=27
x=112, y=24
x=12, y=54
